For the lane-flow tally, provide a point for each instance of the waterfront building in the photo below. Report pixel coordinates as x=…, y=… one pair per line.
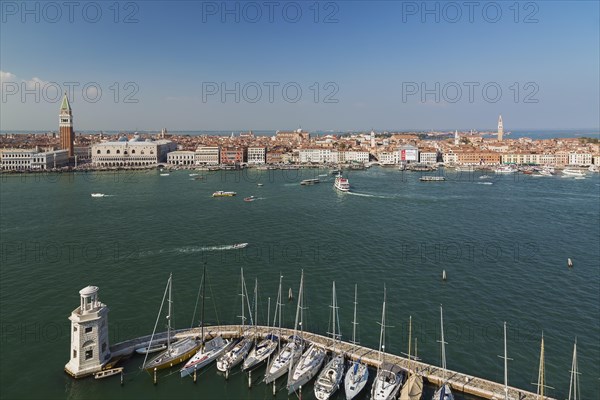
x=578, y=158
x=353, y=156
x=233, y=155
x=33, y=159
x=257, y=155
x=276, y=157
x=89, y=350
x=208, y=155
x=317, y=155
x=131, y=153
x=596, y=159
x=477, y=157
x=408, y=154
x=428, y=156
x=181, y=157
x=500, y=128
x=388, y=157
x=67, y=136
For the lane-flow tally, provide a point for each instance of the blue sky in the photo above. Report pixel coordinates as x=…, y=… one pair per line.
x=373, y=58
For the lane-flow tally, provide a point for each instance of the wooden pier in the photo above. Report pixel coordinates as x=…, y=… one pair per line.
x=459, y=382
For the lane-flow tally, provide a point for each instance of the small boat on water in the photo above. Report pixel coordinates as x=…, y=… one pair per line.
x=573, y=172
x=193, y=174
x=249, y=198
x=505, y=169
x=569, y=263
x=108, y=372
x=151, y=349
x=98, y=195
x=432, y=179
x=307, y=182
x=164, y=174
x=221, y=193
x=341, y=184
x=484, y=177
x=260, y=184
x=239, y=245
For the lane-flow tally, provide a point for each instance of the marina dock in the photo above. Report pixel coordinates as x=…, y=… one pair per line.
x=432, y=374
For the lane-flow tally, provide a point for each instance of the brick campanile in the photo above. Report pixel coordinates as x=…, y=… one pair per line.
x=67, y=136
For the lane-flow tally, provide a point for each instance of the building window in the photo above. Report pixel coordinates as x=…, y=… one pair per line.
x=88, y=329
x=107, y=151
x=118, y=151
x=133, y=151
x=89, y=354
x=74, y=353
x=98, y=152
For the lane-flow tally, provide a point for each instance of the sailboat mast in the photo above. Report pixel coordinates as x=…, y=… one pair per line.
x=443, y=344
x=354, y=322
x=333, y=307
x=243, y=286
x=169, y=313
x=574, y=382
x=541, y=371
x=505, y=366
x=279, y=307
x=202, y=313
x=409, y=335
x=382, y=331
x=256, y=306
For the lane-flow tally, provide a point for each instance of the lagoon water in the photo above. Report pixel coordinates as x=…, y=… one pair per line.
x=504, y=247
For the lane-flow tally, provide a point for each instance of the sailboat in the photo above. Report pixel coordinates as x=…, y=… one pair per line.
x=176, y=352
x=541, y=385
x=574, y=382
x=389, y=377
x=505, y=357
x=413, y=388
x=358, y=373
x=210, y=350
x=290, y=353
x=268, y=345
x=444, y=392
x=311, y=360
x=330, y=378
x=240, y=350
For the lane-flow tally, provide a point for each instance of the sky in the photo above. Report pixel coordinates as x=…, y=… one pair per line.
x=268, y=65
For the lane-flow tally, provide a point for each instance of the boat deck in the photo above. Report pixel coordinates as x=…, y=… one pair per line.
x=460, y=382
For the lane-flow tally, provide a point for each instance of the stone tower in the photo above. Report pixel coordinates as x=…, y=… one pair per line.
x=89, y=350
x=67, y=136
x=500, y=128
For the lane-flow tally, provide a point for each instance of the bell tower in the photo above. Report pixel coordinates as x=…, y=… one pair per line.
x=67, y=136
x=89, y=350
x=500, y=128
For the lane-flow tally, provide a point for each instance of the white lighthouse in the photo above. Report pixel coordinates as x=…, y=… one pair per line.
x=89, y=335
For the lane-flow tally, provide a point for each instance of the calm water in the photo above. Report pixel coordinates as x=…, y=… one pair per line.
x=504, y=247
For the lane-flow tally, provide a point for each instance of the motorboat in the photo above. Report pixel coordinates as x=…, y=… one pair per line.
x=98, y=195
x=573, y=172
x=249, y=198
x=221, y=193
x=239, y=246
x=307, y=182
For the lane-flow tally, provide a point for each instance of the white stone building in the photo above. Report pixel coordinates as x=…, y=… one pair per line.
x=89, y=350
x=181, y=157
x=388, y=157
x=257, y=155
x=131, y=153
x=317, y=155
x=32, y=159
x=208, y=155
x=584, y=159
x=353, y=156
x=428, y=157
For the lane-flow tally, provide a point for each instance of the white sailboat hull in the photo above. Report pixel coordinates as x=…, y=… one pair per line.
x=234, y=356
x=307, y=367
x=205, y=355
x=413, y=388
x=259, y=353
x=355, y=380
x=289, y=354
x=330, y=378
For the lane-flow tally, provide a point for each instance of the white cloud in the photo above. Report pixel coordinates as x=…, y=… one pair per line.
x=6, y=76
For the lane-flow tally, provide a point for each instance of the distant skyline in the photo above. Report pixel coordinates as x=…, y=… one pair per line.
x=345, y=66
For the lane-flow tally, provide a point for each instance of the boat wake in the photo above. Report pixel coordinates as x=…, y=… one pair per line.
x=196, y=249
x=369, y=195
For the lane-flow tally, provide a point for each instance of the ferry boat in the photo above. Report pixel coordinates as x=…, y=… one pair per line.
x=341, y=184
x=309, y=182
x=220, y=193
x=573, y=172
x=432, y=179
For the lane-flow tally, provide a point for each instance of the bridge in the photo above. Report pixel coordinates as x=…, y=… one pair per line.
x=434, y=375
